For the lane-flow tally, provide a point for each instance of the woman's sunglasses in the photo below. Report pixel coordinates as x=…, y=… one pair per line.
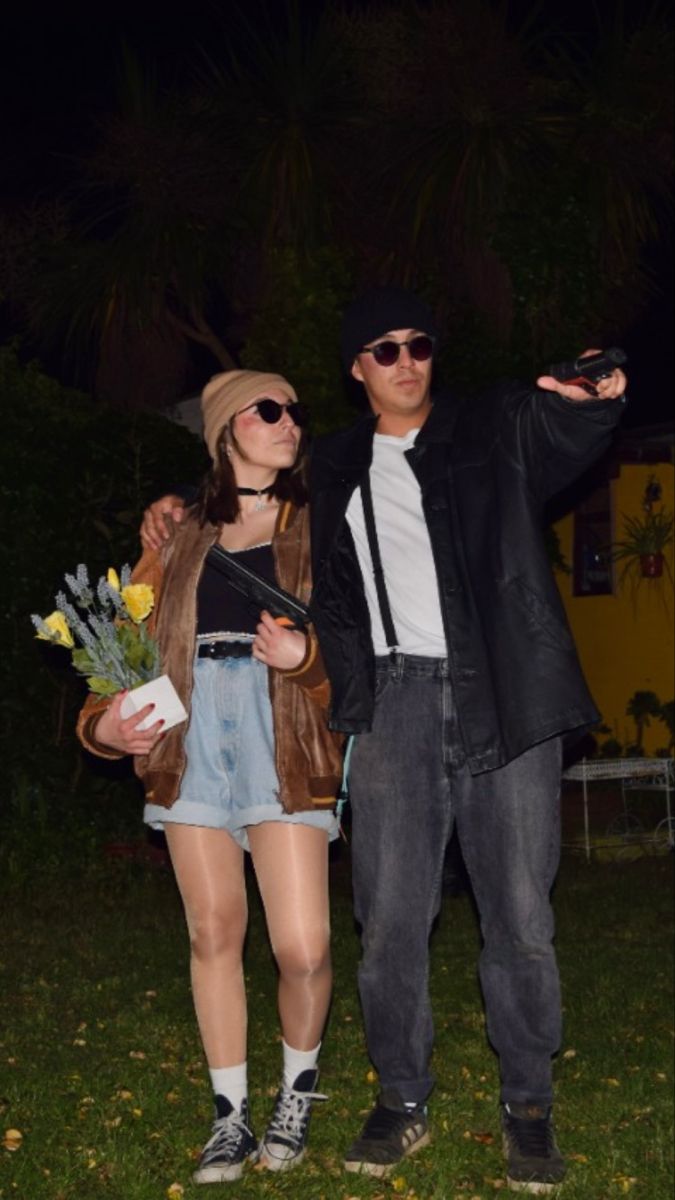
x=272, y=411
x=420, y=348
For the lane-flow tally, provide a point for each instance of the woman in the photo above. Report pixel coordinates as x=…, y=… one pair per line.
x=254, y=768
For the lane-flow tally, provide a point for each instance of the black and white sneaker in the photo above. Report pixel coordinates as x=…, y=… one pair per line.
x=391, y=1132
x=283, y=1146
x=534, y=1163
x=231, y=1145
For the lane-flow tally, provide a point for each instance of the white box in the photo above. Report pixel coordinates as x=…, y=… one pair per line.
x=163, y=695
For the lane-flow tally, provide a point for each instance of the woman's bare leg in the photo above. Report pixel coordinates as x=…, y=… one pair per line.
x=209, y=867
x=291, y=865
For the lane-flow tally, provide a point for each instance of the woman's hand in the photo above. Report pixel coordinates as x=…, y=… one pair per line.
x=277, y=646
x=121, y=733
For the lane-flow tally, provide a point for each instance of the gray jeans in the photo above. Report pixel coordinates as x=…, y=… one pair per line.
x=408, y=785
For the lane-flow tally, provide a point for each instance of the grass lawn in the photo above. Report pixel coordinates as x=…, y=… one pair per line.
x=101, y=1071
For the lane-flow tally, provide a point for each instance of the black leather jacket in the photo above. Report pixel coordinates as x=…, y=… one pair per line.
x=485, y=468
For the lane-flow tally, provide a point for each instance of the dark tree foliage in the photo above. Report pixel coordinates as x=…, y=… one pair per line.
x=74, y=479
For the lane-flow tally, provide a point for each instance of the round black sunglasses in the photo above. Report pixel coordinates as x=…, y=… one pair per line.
x=271, y=411
x=420, y=348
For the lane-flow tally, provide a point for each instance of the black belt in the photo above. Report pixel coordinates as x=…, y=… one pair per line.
x=225, y=650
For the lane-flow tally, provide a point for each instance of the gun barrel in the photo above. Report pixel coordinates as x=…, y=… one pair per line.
x=258, y=590
x=591, y=368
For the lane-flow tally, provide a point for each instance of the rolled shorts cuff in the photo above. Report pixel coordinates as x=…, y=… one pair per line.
x=188, y=812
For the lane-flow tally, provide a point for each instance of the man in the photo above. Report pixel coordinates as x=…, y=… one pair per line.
x=454, y=665
x=461, y=720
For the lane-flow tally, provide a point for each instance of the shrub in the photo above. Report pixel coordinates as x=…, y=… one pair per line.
x=75, y=477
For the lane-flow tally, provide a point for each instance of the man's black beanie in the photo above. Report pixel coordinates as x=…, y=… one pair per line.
x=375, y=313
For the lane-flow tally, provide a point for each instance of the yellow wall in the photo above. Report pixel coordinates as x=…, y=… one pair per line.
x=625, y=641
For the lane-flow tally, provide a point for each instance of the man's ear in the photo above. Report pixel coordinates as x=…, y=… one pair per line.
x=356, y=371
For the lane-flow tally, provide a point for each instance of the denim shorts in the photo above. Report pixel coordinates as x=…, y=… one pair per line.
x=230, y=779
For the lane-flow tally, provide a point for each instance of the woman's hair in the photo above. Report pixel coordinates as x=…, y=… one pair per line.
x=217, y=500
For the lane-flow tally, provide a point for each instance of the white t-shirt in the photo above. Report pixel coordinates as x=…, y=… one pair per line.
x=405, y=550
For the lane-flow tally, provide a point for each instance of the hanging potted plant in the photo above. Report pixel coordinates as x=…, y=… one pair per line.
x=644, y=542
x=645, y=539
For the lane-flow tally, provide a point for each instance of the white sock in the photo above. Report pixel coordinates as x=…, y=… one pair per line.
x=231, y=1082
x=297, y=1061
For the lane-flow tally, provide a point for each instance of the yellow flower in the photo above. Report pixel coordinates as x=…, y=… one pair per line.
x=58, y=626
x=139, y=599
x=113, y=579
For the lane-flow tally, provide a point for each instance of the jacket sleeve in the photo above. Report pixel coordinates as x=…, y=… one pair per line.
x=147, y=570
x=552, y=439
x=310, y=674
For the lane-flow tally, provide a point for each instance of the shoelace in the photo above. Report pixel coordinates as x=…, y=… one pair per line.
x=534, y=1138
x=290, y=1116
x=227, y=1133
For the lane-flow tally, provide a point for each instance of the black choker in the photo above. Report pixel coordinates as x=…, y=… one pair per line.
x=259, y=493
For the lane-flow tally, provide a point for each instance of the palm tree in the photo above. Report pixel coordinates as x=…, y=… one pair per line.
x=150, y=247
x=281, y=96
x=642, y=706
x=523, y=186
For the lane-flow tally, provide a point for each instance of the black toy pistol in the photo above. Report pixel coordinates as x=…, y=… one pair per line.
x=586, y=372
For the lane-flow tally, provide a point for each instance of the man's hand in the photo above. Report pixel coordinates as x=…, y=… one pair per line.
x=277, y=646
x=153, y=529
x=610, y=388
x=120, y=733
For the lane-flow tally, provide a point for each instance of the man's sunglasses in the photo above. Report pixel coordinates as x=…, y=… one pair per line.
x=272, y=411
x=420, y=348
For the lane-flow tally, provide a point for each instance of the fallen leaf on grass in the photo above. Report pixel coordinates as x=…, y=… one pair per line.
x=138, y=1054
x=580, y=1158
x=175, y=1191
x=12, y=1139
x=625, y=1182
x=612, y=1082
x=485, y=1139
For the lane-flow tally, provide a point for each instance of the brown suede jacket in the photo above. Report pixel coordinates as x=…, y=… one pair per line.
x=308, y=756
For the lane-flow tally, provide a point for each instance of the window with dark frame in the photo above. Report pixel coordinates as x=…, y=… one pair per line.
x=592, y=566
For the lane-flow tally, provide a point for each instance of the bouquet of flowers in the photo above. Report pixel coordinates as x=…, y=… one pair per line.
x=115, y=650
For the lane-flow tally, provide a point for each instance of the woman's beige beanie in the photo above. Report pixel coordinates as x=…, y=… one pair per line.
x=225, y=394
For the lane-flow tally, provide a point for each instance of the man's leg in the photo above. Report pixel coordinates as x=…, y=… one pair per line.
x=400, y=826
x=509, y=828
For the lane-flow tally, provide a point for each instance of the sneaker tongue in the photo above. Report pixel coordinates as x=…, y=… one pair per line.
x=529, y=1112
x=390, y=1098
x=306, y=1080
x=223, y=1106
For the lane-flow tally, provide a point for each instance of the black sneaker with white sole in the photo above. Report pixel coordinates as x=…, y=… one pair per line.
x=534, y=1164
x=391, y=1132
x=283, y=1146
x=232, y=1144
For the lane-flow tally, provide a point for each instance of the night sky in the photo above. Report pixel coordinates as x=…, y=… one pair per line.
x=57, y=72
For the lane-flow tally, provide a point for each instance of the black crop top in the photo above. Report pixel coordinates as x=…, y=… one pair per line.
x=220, y=607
